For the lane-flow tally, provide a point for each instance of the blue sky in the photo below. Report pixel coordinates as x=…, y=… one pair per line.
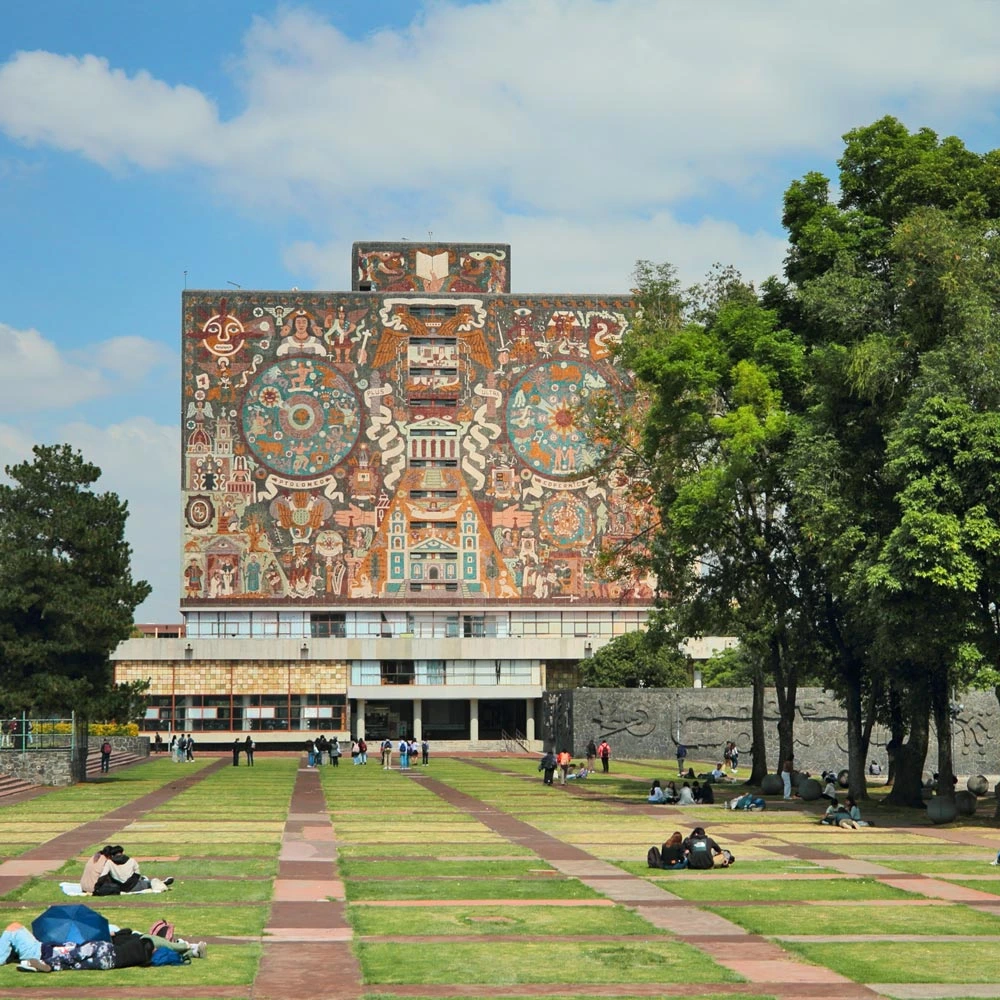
x=252, y=142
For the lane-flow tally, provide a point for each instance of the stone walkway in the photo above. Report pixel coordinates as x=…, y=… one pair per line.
x=307, y=943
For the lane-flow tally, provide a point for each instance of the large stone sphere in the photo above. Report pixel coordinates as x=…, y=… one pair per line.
x=843, y=779
x=965, y=803
x=771, y=784
x=978, y=784
x=809, y=789
x=941, y=809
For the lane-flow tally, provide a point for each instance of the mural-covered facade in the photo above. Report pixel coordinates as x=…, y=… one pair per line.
x=423, y=439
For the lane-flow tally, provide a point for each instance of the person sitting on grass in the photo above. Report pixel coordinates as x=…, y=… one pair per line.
x=838, y=815
x=672, y=854
x=686, y=796
x=655, y=796
x=580, y=773
x=703, y=852
x=829, y=789
x=670, y=793
x=707, y=795
x=719, y=774
x=855, y=813
x=111, y=872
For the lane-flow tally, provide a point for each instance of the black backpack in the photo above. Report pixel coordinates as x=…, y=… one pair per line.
x=653, y=858
x=131, y=949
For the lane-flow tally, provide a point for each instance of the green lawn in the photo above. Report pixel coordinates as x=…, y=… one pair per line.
x=553, y=921
x=906, y=962
x=942, y=919
x=545, y=887
x=717, y=887
x=539, y=962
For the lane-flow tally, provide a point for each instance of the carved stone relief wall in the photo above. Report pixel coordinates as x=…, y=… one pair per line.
x=648, y=723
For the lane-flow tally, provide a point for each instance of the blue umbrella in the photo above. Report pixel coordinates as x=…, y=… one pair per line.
x=70, y=922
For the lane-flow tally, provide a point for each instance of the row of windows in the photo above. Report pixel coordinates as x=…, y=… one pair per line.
x=430, y=625
x=193, y=713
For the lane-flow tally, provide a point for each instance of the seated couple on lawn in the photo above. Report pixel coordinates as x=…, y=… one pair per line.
x=846, y=815
x=111, y=872
x=698, y=850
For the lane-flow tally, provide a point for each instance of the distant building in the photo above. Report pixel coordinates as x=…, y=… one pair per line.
x=392, y=506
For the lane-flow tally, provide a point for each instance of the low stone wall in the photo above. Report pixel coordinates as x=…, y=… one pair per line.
x=138, y=745
x=39, y=767
x=649, y=722
x=53, y=767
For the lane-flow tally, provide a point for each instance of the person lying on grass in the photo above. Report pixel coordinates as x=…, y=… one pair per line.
x=125, y=949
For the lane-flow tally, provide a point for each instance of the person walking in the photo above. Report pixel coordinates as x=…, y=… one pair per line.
x=335, y=751
x=362, y=751
x=548, y=765
x=237, y=746
x=387, y=754
x=105, y=756
x=591, y=752
x=562, y=759
x=682, y=752
x=604, y=752
x=425, y=752
x=248, y=748
x=189, y=747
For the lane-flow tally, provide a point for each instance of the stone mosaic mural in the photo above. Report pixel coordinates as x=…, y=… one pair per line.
x=398, y=445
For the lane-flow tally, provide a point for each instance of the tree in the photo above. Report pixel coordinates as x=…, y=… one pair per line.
x=637, y=659
x=67, y=597
x=724, y=380
x=894, y=291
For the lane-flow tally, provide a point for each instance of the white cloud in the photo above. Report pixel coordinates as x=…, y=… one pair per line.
x=564, y=106
x=140, y=461
x=38, y=376
x=584, y=255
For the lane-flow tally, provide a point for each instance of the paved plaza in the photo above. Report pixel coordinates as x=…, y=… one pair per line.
x=470, y=878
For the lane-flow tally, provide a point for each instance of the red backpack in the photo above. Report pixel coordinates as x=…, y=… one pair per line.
x=163, y=929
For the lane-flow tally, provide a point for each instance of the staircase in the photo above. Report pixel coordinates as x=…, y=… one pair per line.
x=119, y=758
x=14, y=786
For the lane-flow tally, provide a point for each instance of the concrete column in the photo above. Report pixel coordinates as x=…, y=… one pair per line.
x=529, y=720
x=418, y=721
x=473, y=719
x=359, y=722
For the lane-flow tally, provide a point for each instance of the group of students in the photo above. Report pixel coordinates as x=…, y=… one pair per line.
x=409, y=750
x=844, y=814
x=698, y=850
x=689, y=794
x=123, y=949
x=182, y=747
x=315, y=749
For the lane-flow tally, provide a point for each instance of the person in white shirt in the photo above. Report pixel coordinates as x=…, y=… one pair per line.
x=686, y=797
x=655, y=793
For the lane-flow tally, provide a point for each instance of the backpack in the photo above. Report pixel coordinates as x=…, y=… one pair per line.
x=131, y=949
x=682, y=751
x=163, y=929
x=167, y=956
x=653, y=858
x=105, y=747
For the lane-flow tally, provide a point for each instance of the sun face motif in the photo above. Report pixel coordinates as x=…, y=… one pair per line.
x=548, y=419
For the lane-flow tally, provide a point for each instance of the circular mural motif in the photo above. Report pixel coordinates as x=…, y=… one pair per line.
x=300, y=417
x=566, y=522
x=199, y=512
x=547, y=423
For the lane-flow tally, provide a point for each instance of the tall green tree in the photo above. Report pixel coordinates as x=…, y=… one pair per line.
x=723, y=378
x=889, y=287
x=67, y=597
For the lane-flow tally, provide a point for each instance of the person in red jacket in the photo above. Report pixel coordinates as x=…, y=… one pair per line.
x=563, y=759
x=604, y=752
